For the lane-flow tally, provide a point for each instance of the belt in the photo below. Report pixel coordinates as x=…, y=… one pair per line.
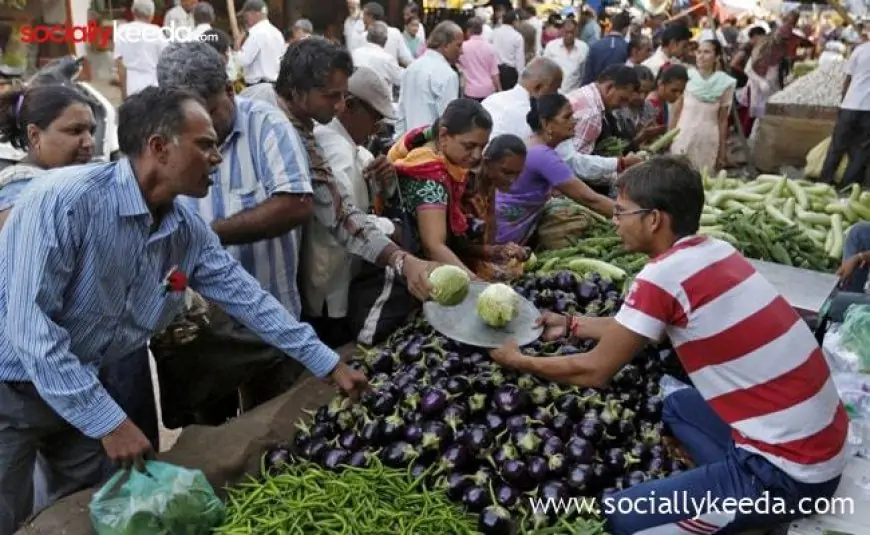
x=260, y=81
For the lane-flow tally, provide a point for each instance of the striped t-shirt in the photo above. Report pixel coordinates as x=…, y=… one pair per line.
x=748, y=353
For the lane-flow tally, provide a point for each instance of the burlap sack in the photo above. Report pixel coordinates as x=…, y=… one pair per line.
x=561, y=224
x=784, y=140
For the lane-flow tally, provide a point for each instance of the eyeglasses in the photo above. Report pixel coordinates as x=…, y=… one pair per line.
x=617, y=214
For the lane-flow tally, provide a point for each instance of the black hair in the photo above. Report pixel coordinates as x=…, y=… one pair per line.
x=500, y=147
x=375, y=10
x=412, y=8
x=461, y=116
x=152, y=111
x=510, y=17
x=757, y=31
x=636, y=43
x=620, y=21
x=554, y=19
x=40, y=105
x=644, y=74
x=544, y=108
x=621, y=75
x=669, y=184
x=218, y=39
x=309, y=63
x=673, y=73
x=675, y=33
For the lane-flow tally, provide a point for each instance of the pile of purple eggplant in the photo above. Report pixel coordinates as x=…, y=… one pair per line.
x=566, y=293
x=493, y=439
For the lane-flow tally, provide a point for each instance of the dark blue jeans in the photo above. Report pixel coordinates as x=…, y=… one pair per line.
x=857, y=241
x=723, y=471
x=128, y=381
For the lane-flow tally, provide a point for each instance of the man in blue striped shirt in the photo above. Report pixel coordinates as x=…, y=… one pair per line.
x=260, y=197
x=85, y=258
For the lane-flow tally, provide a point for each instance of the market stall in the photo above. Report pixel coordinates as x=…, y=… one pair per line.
x=799, y=117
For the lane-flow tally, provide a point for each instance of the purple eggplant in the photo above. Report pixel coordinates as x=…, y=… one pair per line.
x=276, y=458
x=359, y=458
x=314, y=450
x=350, y=440
x=537, y=468
x=457, y=385
x=393, y=428
x=475, y=359
x=433, y=360
x=561, y=425
x=515, y=472
x=477, y=403
x=506, y=495
x=543, y=414
x=477, y=438
x=398, y=454
x=494, y=422
x=418, y=469
x=545, y=433
x=496, y=520
x=434, y=402
x=635, y=478
x=505, y=453
x=323, y=430
x=587, y=291
x=383, y=362
x=483, y=477
x=553, y=446
x=579, y=450
x=455, y=457
x=589, y=429
x=413, y=433
x=334, y=458
x=614, y=459
x=580, y=478
x=518, y=421
x=555, y=490
x=455, y=415
x=652, y=409
x=475, y=498
x=509, y=400
x=570, y=405
x=455, y=485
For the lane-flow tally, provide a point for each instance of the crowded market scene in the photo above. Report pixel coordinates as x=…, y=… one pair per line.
x=499, y=268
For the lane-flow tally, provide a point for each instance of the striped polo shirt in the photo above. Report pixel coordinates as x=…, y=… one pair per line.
x=748, y=353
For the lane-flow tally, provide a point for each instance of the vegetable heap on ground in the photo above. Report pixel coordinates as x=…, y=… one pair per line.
x=491, y=438
x=773, y=218
x=299, y=497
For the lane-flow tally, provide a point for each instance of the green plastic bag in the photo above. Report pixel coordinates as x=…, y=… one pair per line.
x=164, y=500
x=855, y=333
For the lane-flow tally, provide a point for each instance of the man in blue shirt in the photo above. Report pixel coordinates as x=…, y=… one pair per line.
x=609, y=50
x=260, y=197
x=94, y=260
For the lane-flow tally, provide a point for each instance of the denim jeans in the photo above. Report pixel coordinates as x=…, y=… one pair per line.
x=857, y=241
x=723, y=471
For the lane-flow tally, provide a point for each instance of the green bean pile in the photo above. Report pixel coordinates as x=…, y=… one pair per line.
x=307, y=499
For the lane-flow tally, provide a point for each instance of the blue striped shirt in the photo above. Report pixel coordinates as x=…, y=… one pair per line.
x=263, y=155
x=82, y=284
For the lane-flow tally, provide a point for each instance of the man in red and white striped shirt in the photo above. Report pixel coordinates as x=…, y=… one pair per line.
x=764, y=417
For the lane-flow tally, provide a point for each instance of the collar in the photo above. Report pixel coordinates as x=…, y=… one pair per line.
x=596, y=96
x=476, y=38
x=521, y=91
x=435, y=54
x=131, y=202
x=261, y=23
x=339, y=129
x=238, y=126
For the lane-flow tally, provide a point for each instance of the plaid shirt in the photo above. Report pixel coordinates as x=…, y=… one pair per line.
x=589, y=116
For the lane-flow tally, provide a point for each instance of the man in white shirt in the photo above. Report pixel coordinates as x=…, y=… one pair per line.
x=510, y=49
x=570, y=54
x=674, y=41
x=508, y=110
x=260, y=53
x=203, y=18
x=327, y=268
x=373, y=56
x=851, y=135
x=396, y=47
x=136, y=59
x=531, y=16
x=431, y=82
x=180, y=16
x=302, y=29
x=354, y=28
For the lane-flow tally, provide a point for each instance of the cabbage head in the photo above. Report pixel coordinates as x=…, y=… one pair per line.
x=498, y=305
x=449, y=285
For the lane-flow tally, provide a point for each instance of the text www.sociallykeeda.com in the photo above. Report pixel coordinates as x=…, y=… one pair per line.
x=692, y=506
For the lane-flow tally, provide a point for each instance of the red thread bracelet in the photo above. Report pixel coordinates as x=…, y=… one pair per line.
x=573, y=325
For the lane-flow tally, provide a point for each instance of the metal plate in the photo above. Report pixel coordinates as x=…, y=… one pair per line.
x=461, y=322
x=805, y=290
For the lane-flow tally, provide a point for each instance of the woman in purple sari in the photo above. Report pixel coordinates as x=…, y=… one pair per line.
x=518, y=210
